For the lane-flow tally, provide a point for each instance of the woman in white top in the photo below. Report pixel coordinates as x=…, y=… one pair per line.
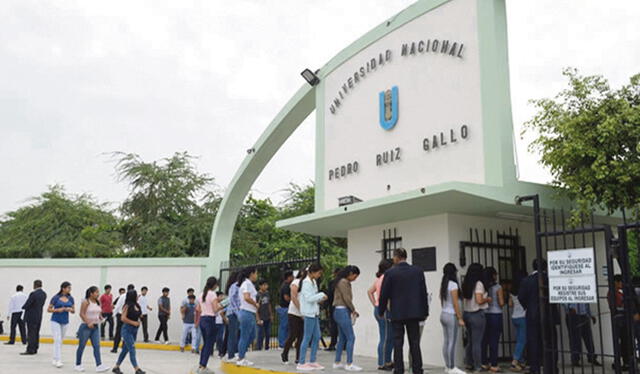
x=518, y=317
x=90, y=313
x=451, y=316
x=296, y=323
x=474, y=302
x=248, y=313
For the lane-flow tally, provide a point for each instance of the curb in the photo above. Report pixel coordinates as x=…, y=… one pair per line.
x=139, y=345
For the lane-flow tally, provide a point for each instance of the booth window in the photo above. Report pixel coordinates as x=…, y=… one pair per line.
x=390, y=241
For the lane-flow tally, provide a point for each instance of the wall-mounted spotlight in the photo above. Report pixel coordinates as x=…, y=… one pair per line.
x=310, y=77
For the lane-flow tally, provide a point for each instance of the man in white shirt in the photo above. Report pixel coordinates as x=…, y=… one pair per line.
x=144, y=308
x=15, y=315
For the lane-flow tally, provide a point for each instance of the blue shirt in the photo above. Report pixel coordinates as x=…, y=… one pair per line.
x=61, y=317
x=234, y=299
x=581, y=309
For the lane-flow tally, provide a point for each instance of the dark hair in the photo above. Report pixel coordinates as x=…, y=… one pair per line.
x=400, y=253
x=336, y=271
x=165, y=289
x=64, y=285
x=233, y=278
x=107, y=287
x=449, y=274
x=218, y=293
x=262, y=281
x=245, y=274
x=121, y=290
x=473, y=276
x=212, y=283
x=19, y=288
x=131, y=299
x=384, y=265
x=190, y=290
x=490, y=275
x=287, y=274
x=348, y=270
x=131, y=287
x=315, y=267
x=191, y=297
x=536, y=267
x=89, y=291
x=144, y=288
x=37, y=283
x=617, y=278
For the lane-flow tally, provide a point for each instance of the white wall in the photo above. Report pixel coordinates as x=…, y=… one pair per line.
x=177, y=278
x=445, y=233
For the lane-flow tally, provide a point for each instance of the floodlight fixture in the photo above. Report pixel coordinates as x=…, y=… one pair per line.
x=310, y=77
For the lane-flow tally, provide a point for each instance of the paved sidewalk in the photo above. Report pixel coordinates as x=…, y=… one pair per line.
x=151, y=361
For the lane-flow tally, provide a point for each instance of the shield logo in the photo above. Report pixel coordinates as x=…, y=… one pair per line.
x=389, y=108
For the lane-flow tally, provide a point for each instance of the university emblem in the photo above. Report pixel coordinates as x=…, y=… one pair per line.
x=389, y=108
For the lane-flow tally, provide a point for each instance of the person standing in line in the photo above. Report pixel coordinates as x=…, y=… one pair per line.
x=265, y=314
x=33, y=317
x=60, y=306
x=385, y=344
x=333, y=326
x=283, y=308
x=106, y=304
x=529, y=297
x=164, y=313
x=233, y=310
x=405, y=288
x=296, y=323
x=15, y=316
x=208, y=306
x=248, y=313
x=344, y=315
x=145, y=308
x=579, y=320
x=190, y=292
x=90, y=314
x=310, y=299
x=221, y=321
x=450, y=317
x=616, y=305
x=118, y=304
x=195, y=349
x=518, y=318
x=188, y=312
x=493, y=316
x=474, y=301
x=131, y=313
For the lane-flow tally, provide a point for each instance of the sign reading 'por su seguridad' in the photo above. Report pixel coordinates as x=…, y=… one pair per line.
x=572, y=276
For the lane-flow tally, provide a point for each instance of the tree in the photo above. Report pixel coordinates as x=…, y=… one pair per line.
x=169, y=210
x=589, y=138
x=56, y=224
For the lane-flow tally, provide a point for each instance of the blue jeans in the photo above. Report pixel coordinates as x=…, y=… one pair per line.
x=264, y=334
x=128, y=334
x=283, y=325
x=85, y=334
x=232, y=341
x=220, y=338
x=247, y=332
x=521, y=337
x=346, y=337
x=491, y=339
x=208, y=328
x=385, y=345
x=311, y=336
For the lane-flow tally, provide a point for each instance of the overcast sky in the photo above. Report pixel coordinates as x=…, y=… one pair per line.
x=79, y=79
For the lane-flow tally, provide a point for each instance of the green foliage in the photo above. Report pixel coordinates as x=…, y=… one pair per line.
x=589, y=138
x=169, y=210
x=56, y=224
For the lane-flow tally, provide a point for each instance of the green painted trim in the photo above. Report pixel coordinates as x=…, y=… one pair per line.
x=499, y=163
x=320, y=134
x=103, y=276
x=281, y=127
x=104, y=262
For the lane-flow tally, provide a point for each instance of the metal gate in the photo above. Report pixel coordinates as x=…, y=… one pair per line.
x=503, y=251
x=565, y=337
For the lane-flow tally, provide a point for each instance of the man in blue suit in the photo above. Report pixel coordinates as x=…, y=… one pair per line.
x=405, y=289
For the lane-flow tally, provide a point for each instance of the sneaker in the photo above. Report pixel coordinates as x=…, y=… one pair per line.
x=338, y=366
x=244, y=362
x=167, y=342
x=316, y=366
x=102, y=368
x=232, y=360
x=140, y=371
x=455, y=370
x=304, y=367
x=116, y=371
x=59, y=364
x=352, y=367
x=78, y=368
